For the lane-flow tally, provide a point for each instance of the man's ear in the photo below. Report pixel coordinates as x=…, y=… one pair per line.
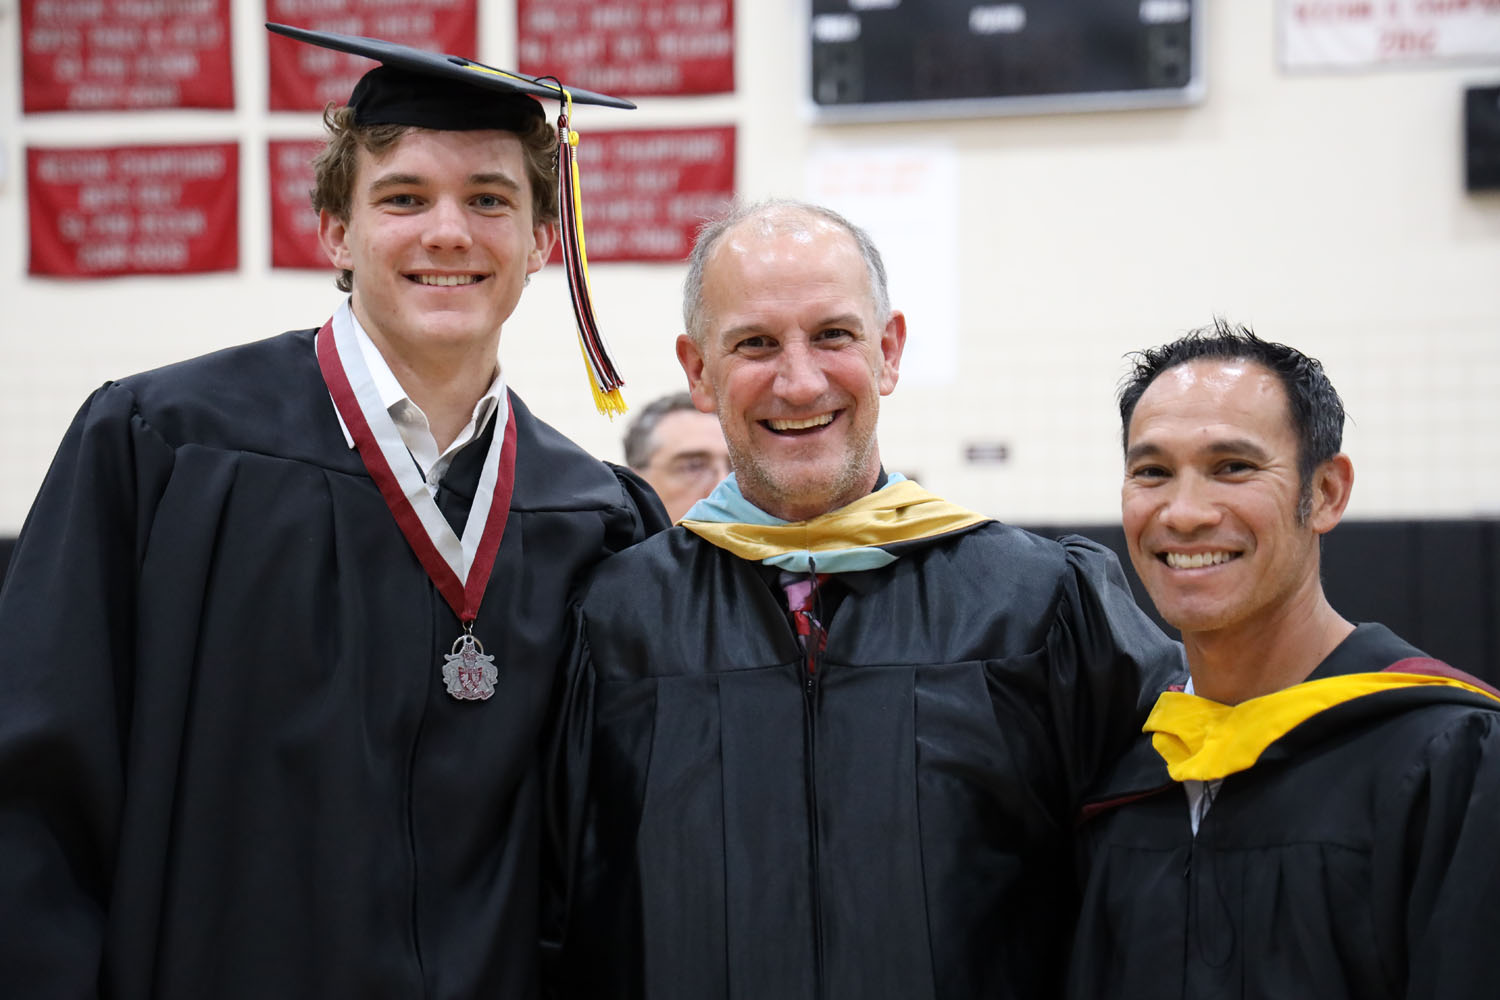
x=1332, y=482
x=333, y=236
x=690, y=356
x=545, y=234
x=892, y=343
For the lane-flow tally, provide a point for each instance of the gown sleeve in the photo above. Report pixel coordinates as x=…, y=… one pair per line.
x=1109, y=662
x=1436, y=866
x=651, y=516
x=67, y=629
x=567, y=777
x=566, y=753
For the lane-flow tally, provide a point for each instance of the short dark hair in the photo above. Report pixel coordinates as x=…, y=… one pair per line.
x=638, y=444
x=334, y=166
x=1317, y=411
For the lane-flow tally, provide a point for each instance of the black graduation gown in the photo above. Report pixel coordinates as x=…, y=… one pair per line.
x=1356, y=859
x=229, y=766
x=896, y=825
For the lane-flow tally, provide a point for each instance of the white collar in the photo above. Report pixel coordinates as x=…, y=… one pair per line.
x=408, y=417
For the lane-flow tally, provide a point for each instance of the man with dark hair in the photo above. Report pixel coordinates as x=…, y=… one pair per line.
x=1314, y=408
x=678, y=450
x=1315, y=814
x=254, y=621
x=828, y=736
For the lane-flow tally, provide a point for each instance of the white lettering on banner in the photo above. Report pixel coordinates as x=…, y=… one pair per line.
x=103, y=256
x=406, y=4
x=158, y=195
x=408, y=25
x=622, y=212
x=48, y=39
x=709, y=46
x=182, y=163
x=92, y=197
x=115, y=36
x=176, y=65
x=652, y=181
x=184, y=222
x=687, y=148
x=546, y=20
x=647, y=190
x=159, y=255
x=69, y=10
x=298, y=158
x=647, y=76
x=285, y=8
x=71, y=227
x=637, y=48
x=112, y=224
x=156, y=10
x=72, y=168
x=584, y=48
x=614, y=18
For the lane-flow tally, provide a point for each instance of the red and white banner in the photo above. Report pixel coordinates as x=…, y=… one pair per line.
x=646, y=191
x=125, y=55
x=294, y=225
x=307, y=77
x=104, y=212
x=629, y=48
x=1348, y=34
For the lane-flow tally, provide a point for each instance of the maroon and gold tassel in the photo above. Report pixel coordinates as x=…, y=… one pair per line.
x=604, y=379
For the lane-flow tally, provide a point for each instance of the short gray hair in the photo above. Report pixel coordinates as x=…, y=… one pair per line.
x=639, y=446
x=694, y=314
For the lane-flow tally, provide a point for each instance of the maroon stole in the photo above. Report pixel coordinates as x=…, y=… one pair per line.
x=459, y=567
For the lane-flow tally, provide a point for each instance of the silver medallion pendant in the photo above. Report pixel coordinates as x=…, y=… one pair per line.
x=469, y=673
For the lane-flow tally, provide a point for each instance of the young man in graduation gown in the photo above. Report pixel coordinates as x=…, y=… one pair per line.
x=1315, y=816
x=254, y=621
x=868, y=792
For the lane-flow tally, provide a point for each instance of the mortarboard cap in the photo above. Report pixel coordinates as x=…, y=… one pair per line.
x=431, y=90
x=450, y=93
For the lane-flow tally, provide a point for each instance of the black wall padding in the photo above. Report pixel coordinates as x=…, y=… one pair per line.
x=1435, y=583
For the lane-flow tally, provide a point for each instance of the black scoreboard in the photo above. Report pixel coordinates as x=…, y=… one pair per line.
x=902, y=59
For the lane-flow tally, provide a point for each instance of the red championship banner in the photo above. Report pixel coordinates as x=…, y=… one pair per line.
x=294, y=225
x=125, y=55
x=646, y=191
x=307, y=77
x=630, y=47
x=104, y=212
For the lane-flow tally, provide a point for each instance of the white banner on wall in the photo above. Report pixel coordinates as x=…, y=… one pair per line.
x=907, y=200
x=1357, y=34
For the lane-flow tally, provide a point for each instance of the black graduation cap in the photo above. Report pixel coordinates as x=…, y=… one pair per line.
x=432, y=90
x=451, y=93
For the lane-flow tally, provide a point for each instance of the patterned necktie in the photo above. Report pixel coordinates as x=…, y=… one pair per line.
x=801, y=597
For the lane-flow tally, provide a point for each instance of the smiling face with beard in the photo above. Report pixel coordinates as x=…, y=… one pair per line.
x=794, y=361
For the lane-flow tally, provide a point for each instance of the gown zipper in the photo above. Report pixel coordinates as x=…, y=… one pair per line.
x=811, y=689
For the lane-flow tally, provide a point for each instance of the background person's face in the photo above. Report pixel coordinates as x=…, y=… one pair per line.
x=688, y=459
